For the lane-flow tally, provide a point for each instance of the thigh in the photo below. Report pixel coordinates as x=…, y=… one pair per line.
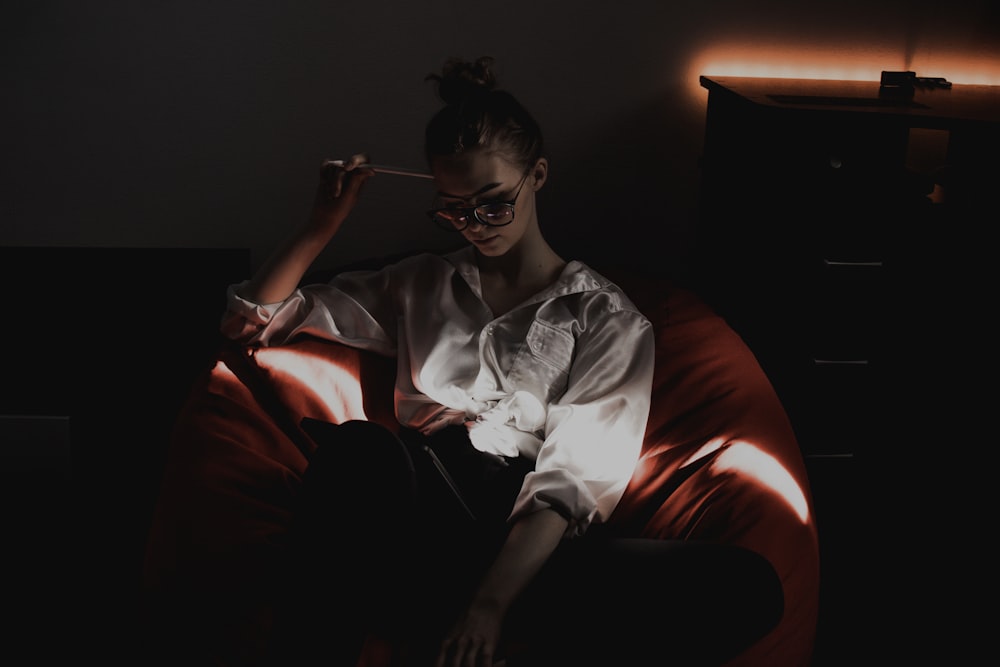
x=357, y=467
x=353, y=519
x=482, y=487
x=357, y=504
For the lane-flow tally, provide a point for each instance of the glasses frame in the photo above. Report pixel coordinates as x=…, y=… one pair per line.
x=472, y=212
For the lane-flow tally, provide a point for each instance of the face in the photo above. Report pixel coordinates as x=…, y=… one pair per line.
x=475, y=178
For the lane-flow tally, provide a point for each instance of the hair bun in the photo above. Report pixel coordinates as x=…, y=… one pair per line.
x=461, y=80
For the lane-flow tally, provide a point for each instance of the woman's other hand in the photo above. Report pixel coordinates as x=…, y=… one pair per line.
x=473, y=640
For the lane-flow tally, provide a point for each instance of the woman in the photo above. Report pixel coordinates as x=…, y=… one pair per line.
x=525, y=376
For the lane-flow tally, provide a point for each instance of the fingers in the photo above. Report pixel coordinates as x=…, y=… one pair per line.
x=356, y=161
x=334, y=174
x=465, y=652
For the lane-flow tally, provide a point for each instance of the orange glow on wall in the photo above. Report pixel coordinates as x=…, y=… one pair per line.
x=851, y=62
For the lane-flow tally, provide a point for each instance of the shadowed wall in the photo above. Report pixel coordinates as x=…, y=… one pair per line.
x=192, y=124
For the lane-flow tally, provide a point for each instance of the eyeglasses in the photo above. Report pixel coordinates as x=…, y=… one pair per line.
x=490, y=214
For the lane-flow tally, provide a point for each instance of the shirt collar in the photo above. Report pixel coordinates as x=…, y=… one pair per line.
x=575, y=277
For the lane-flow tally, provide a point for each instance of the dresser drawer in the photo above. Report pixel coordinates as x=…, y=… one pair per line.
x=834, y=411
x=846, y=311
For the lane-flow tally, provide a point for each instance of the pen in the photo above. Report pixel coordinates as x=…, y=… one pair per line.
x=386, y=169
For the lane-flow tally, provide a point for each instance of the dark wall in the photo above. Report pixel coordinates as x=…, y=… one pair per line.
x=185, y=126
x=202, y=124
x=109, y=340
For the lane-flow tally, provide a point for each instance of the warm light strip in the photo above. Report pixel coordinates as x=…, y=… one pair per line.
x=857, y=63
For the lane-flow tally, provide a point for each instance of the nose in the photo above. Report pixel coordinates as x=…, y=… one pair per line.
x=475, y=224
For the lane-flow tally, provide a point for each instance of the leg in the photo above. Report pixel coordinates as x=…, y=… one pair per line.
x=356, y=511
x=645, y=601
x=462, y=524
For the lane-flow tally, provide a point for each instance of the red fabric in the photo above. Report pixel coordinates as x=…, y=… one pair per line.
x=710, y=395
x=232, y=475
x=229, y=487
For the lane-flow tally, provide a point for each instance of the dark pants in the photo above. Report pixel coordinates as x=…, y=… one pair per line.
x=383, y=545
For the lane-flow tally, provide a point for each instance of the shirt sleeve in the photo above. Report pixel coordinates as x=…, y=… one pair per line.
x=354, y=308
x=594, y=432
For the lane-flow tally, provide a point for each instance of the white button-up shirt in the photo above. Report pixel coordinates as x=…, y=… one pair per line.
x=564, y=378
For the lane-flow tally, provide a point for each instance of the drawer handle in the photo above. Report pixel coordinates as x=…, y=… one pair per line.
x=835, y=263
x=840, y=362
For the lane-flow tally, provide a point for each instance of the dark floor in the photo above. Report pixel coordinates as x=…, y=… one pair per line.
x=834, y=482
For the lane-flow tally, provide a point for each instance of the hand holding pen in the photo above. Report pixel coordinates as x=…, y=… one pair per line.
x=341, y=182
x=382, y=169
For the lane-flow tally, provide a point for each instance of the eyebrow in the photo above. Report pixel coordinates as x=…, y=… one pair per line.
x=485, y=188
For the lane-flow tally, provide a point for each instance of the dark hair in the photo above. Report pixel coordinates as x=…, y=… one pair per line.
x=477, y=115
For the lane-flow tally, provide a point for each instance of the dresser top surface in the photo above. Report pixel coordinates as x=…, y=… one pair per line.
x=959, y=103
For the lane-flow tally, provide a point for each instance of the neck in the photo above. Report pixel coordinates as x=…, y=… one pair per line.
x=525, y=264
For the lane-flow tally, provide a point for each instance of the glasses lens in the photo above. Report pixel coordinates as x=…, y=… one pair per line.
x=495, y=214
x=451, y=218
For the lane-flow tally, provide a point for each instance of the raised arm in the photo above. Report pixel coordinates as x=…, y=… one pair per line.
x=336, y=195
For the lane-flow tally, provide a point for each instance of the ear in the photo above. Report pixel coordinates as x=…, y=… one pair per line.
x=539, y=173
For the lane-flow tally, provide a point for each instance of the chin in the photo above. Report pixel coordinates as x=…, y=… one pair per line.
x=492, y=248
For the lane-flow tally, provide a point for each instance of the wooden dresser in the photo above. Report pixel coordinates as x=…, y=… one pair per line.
x=825, y=206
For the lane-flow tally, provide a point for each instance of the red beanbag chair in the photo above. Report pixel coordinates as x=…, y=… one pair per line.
x=720, y=462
